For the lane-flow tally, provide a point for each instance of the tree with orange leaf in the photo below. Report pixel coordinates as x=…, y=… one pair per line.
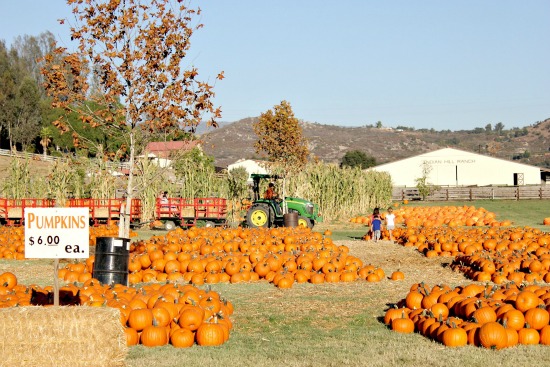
x=280, y=137
x=135, y=51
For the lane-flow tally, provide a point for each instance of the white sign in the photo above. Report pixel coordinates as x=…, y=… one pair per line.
x=57, y=233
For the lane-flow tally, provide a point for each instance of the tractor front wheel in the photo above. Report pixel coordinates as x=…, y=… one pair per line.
x=305, y=222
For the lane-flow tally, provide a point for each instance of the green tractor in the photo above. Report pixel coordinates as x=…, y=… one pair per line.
x=269, y=212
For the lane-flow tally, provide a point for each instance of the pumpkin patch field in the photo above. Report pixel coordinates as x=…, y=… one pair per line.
x=347, y=321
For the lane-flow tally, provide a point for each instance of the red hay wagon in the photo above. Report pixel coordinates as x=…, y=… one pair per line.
x=106, y=211
x=12, y=210
x=188, y=212
x=102, y=211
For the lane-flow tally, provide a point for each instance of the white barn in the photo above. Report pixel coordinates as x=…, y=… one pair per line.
x=454, y=167
x=251, y=166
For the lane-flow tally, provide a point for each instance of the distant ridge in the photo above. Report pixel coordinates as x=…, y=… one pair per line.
x=329, y=143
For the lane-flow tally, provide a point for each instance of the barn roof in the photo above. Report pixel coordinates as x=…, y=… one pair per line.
x=452, y=149
x=163, y=149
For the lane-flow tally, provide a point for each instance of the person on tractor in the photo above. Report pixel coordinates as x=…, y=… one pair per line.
x=271, y=194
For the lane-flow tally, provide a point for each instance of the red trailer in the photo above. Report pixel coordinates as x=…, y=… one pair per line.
x=12, y=210
x=105, y=211
x=188, y=212
x=102, y=211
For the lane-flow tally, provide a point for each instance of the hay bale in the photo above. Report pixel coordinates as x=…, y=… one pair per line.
x=187, y=213
x=15, y=213
x=61, y=336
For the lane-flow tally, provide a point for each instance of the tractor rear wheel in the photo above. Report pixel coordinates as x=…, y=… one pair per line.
x=257, y=216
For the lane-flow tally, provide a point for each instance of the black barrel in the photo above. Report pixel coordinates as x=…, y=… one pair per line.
x=290, y=219
x=112, y=256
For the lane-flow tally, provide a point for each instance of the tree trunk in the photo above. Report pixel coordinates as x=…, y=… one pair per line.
x=12, y=148
x=285, y=206
x=129, y=190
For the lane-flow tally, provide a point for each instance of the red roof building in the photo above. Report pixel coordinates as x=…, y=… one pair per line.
x=166, y=149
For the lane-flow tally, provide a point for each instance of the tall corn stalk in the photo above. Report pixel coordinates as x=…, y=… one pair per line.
x=100, y=181
x=39, y=187
x=150, y=180
x=341, y=192
x=18, y=183
x=237, y=190
x=199, y=183
x=66, y=179
x=196, y=176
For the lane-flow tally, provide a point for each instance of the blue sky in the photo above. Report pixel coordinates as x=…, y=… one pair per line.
x=454, y=64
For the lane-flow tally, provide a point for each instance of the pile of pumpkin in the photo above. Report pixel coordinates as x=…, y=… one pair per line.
x=12, y=239
x=433, y=216
x=110, y=230
x=496, y=254
x=12, y=243
x=153, y=315
x=447, y=241
x=452, y=216
x=487, y=316
x=282, y=256
x=515, y=256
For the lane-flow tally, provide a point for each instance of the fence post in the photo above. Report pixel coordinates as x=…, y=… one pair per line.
x=517, y=193
x=447, y=194
x=540, y=193
x=470, y=194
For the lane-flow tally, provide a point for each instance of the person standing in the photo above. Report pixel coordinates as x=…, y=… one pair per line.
x=376, y=225
x=390, y=222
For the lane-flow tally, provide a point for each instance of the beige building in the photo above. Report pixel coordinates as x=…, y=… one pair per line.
x=251, y=166
x=454, y=167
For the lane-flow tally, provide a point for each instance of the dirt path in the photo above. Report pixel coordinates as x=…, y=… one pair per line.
x=392, y=257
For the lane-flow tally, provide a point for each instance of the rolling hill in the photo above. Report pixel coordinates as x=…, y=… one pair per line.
x=329, y=143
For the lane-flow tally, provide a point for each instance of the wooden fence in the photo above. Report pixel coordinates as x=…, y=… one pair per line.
x=475, y=193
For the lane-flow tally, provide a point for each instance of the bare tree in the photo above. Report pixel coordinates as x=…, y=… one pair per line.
x=136, y=49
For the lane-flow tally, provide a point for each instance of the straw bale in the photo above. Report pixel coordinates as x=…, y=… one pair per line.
x=61, y=336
